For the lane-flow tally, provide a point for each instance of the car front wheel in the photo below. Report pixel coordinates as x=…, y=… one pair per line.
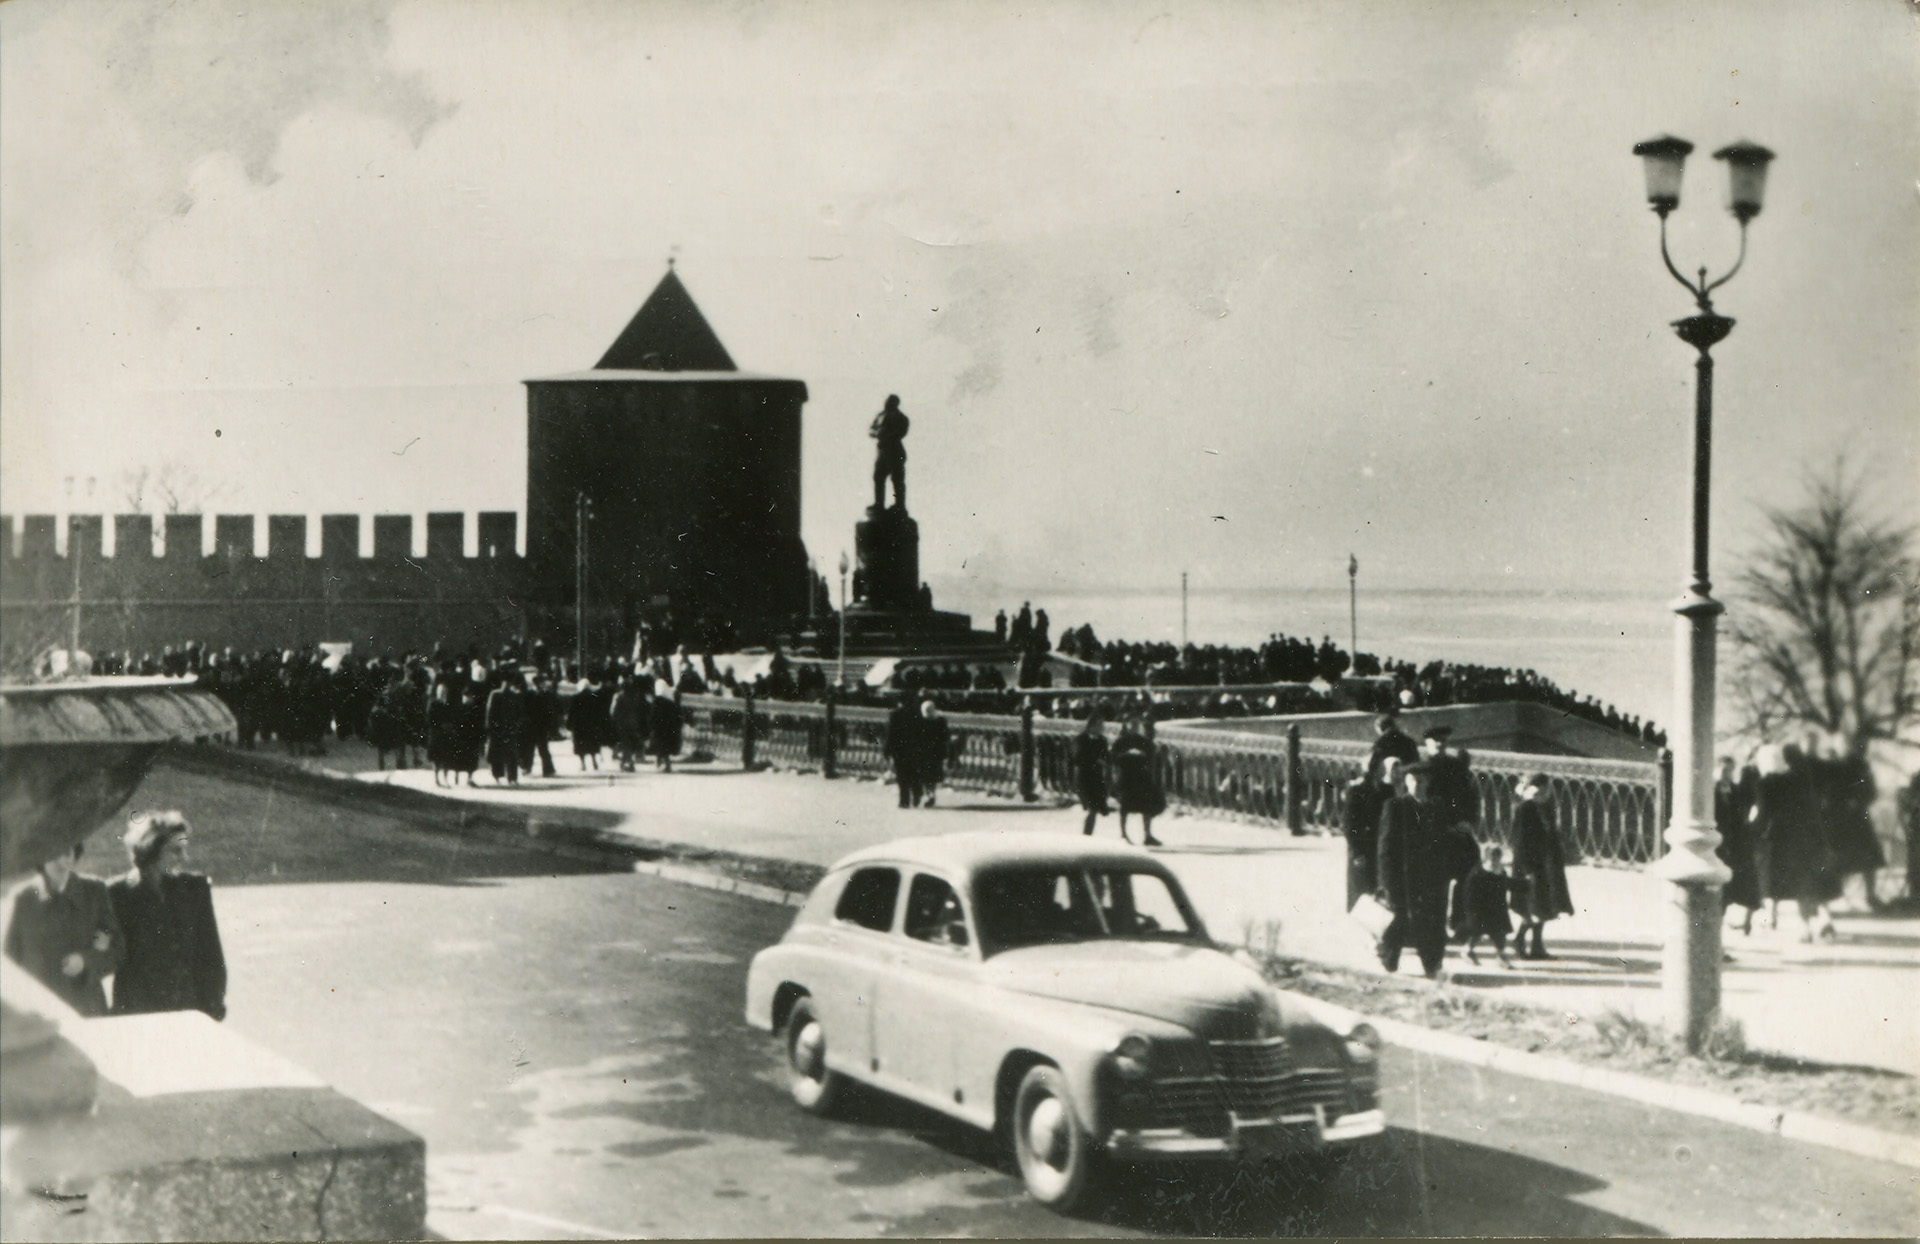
x=815, y=1088
x=1057, y=1157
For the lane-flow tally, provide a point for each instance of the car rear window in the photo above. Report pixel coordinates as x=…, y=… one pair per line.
x=869, y=898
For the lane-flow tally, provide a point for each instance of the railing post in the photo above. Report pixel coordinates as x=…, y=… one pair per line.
x=746, y=735
x=827, y=766
x=1027, y=789
x=1662, y=802
x=1295, y=780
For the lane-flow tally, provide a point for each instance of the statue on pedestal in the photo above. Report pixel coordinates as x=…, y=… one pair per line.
x=890, y=430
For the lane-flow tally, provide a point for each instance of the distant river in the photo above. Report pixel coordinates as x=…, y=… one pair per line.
x=1616, y=646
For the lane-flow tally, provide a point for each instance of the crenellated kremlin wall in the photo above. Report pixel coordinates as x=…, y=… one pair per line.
x=249, y=594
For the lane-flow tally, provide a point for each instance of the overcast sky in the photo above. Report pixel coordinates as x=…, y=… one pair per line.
x=1234, y=288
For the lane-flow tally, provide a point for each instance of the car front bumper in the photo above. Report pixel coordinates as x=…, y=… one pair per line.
x=1305, y=1133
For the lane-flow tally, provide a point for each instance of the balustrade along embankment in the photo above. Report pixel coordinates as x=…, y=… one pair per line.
x=1609, y=811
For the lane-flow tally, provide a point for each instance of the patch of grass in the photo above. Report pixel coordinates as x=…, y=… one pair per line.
x=1870, y=1096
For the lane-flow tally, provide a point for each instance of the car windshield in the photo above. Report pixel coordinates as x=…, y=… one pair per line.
x=1039, y=905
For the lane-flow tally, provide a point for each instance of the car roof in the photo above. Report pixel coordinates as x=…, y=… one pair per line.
x=965, y=854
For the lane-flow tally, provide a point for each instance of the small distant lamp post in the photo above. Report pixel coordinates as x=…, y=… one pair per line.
x=1691, y=972
x=840, y=673
x=582, y=520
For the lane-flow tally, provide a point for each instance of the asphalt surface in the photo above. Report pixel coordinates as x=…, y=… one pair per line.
x=567, y=1036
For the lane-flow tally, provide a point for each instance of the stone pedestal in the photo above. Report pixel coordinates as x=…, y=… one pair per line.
x=887, y=561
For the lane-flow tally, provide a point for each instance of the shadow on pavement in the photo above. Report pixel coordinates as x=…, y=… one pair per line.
x=1409, y=1184
x=256, y=824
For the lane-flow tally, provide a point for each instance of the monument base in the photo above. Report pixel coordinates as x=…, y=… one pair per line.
x=886, y=548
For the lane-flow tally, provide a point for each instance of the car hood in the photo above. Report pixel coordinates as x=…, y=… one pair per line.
x=1196, y=987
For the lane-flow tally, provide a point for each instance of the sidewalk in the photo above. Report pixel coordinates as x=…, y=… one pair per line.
x=1854, y=1001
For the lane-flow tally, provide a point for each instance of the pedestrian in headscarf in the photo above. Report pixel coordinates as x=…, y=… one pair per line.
x=1136, y=780
x=173, y=958
x=1539, y=867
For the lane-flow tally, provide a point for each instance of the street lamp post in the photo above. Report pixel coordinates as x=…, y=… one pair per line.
x=840, y=671
x=1694, y=874
x=582, y=517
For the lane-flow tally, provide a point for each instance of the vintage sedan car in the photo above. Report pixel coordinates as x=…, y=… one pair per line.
x=1063, y=994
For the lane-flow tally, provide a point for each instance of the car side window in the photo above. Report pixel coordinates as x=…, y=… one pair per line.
x=933, y=913
x=868, y=899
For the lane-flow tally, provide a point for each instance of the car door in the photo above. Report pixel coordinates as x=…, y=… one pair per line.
x=857, y=942
x=923, y=992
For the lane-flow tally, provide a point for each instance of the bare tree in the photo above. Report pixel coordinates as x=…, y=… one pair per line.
x=1825, y=624
x=169, y=488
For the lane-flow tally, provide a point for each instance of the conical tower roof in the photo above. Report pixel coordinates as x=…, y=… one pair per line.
x=667, y=333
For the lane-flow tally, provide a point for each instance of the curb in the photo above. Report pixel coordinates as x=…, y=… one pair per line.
x=1863, y=1142
x=706, y=880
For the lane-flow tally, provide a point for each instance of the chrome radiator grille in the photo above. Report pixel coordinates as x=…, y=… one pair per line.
x=1251, y=1080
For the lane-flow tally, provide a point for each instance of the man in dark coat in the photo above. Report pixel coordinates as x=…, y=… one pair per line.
x=1136, y=780
x=543, y=723
x=905, y=732
x=1090, y=768
x=1360, y=823
x=173, y=960
x=1417, y=863
x=1454, y=789
x=1389, y=743
x=506, y=718
x=65, y=934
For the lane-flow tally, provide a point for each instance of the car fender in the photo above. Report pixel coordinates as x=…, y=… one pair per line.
x=1078, y=1038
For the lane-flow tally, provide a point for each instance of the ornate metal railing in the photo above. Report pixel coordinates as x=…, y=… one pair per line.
x=1607, y=810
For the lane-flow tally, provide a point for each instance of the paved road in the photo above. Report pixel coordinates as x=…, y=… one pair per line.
x=568, y=1040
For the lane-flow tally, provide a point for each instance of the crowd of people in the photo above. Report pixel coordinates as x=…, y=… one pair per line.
x=1291, y=659
x=1416, y=870
x=1795, y=825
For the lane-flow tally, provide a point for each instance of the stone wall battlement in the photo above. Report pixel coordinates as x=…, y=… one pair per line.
x=444, y=536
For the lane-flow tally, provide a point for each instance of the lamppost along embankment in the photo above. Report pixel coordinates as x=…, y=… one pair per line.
x=1694, y=874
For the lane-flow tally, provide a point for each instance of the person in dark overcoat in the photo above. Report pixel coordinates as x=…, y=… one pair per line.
x=1733, y=794
x=443, y=734
x=506, y=718
x=1540, y=889
x=472, y=724
x=1360, y=824
x=905, y=729
x=627, y=714
x=1390, y=742
x=1454, y=790
x=1417, y=865
x=663, y=726
x=1791, y=852
x=387, y=724
x=934, y=739
x=173, y=957
x=587, y=721
x=1136, y=780
x=1848, y=790
x=1090, y=768
x=64, y=933
x=543, y=723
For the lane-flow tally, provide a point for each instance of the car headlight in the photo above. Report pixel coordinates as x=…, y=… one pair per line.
x=1132, y=1056
x=1363, y=1043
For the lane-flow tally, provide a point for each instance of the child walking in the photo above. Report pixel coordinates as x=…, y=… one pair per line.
x=1484, y=905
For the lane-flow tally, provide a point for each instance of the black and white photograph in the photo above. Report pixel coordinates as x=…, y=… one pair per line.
x=658, y=618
